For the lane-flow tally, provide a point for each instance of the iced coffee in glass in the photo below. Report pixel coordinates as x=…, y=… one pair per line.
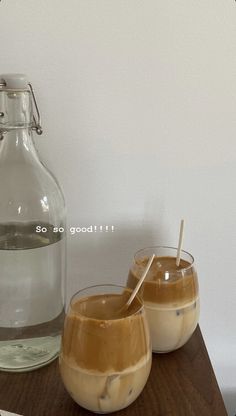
x=170, y=294
x=105, y=357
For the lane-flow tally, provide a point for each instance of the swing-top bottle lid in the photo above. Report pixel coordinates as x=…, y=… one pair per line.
x=14, y=81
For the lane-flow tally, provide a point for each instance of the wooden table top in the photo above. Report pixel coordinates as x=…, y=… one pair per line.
x=181, y=383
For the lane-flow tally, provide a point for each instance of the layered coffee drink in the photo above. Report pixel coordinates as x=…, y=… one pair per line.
x=170, y=295
x=105, y=357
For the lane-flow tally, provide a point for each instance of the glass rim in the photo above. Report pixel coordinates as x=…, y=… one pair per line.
x=112, y=285
x=182, y=269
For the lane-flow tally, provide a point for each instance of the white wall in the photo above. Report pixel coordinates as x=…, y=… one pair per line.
x=139, y=113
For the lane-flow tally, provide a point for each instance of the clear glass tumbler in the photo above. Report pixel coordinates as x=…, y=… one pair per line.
x=170, y=294
x=105, y=360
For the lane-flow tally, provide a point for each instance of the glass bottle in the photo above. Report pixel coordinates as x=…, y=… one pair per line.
x=32, y=237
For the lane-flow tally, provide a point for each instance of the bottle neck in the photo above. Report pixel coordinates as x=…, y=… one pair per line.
x=18, y=146
x=16, y=110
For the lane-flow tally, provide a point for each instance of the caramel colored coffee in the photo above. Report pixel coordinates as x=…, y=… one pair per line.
x=105, y=357
x=165, y=282
x=92, y=326
x=170, y=295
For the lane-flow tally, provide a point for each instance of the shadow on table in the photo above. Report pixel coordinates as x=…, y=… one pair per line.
x=229, y=397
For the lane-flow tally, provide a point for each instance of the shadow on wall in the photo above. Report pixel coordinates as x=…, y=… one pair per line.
x=96, y=258
x=229, y=396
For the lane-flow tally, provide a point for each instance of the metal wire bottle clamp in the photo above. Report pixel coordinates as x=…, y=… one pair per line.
x=36, y=118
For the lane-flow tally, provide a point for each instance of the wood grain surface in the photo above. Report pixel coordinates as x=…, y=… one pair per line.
x=181, y=383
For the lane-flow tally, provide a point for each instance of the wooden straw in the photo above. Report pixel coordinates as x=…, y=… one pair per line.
x=181, y=232
x=137, y=287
